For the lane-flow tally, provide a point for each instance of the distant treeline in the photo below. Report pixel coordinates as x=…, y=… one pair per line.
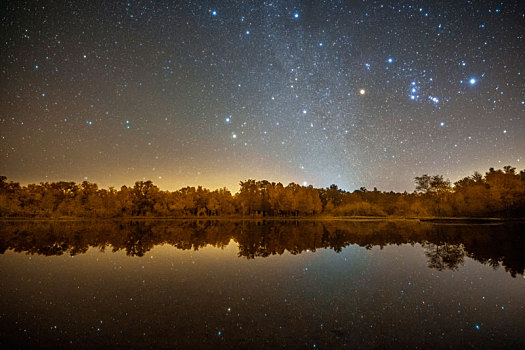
x=498, y=193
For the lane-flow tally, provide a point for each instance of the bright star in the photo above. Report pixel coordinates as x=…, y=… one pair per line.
x=296, y=15
x=362, y=91
x=472, y=81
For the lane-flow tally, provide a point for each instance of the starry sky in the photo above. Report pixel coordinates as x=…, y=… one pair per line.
x=356, y=93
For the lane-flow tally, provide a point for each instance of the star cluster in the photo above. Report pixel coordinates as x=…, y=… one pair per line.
x=366, y=93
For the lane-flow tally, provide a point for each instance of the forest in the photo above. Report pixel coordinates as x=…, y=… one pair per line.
x=498, y=193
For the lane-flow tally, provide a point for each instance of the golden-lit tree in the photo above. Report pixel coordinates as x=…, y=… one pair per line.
x=497, y=193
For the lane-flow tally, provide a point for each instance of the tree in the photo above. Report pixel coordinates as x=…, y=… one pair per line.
x=143, y=196
x=497, y=193
x=334, y=195
x=507, y=190
x=427, y=184
x=249, y=196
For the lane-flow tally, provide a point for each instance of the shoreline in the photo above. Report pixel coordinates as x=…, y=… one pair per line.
x=437, y=220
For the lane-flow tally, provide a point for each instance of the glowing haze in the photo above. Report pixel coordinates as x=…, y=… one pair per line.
x=361, y=93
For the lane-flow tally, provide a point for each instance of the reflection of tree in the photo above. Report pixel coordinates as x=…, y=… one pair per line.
x=445, y=245
x=139, y=240
x=444, y=256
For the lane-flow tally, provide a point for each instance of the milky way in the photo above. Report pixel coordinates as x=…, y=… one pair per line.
x=360, y=93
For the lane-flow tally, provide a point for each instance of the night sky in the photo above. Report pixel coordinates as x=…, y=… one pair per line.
x=356, y=93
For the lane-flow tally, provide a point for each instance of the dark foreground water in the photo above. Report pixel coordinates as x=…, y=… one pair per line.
x=326, y=285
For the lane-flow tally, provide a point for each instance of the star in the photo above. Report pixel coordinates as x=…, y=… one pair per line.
x=301, y=87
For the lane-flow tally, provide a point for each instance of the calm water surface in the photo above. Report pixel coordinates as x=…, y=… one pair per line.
x=326, y=285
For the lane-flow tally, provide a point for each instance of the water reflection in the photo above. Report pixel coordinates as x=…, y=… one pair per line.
x=446, y=246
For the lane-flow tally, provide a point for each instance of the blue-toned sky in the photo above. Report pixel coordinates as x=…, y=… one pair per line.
x=356, y=93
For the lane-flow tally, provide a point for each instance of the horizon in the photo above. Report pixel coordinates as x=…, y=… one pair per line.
x=358, y=94
x=174, y=189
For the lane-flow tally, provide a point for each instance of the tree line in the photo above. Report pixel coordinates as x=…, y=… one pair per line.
x=498, y=193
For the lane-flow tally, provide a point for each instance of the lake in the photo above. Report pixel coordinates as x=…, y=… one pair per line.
x=261, y=285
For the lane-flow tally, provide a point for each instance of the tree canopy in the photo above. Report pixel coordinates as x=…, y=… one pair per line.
x=498, y=193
